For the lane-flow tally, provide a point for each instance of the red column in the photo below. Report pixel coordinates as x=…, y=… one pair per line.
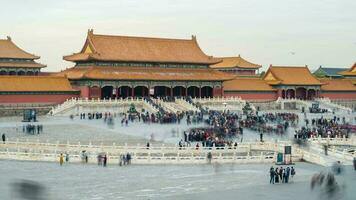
x=133, y=92
x=212, y=92
x=186, y=91
x=143, y=91
x=199, y=91
x=117, y=92
x=171, y=92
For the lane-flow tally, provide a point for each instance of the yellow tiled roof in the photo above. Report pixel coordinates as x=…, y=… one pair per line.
x=287, y=75
x=141, y=49
x=235, y=62
x=337, y=85
x=34, y=84
x=9, y=50
x=144, y=73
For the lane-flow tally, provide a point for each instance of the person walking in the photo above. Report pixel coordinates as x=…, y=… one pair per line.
x=61, y=159
x=292, y=172
x=276, y=176
x=3, y=138
x=354, y=163
x=287, y=174
x=67, y=157
x=105, y=159
x=272, y=175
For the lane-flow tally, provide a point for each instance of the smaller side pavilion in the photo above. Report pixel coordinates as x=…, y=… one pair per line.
x=338, y=89
x=253, y=89
x=350, y=73
x=328, y=72
x=293, y=82
x=237, y=66
x=15, y=61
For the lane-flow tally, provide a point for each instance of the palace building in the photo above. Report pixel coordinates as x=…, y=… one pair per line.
x=19, y=80
x=236, y=65
x=328, y=72
x=121, y=66
x=15, y=61
x=293, y=82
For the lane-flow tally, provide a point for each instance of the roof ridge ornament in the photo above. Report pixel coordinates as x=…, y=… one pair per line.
x=90, y=31
x=194, y=37
x=8, y=38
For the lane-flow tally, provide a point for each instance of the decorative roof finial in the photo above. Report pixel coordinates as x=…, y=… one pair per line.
x=9, y=38
x=90, y=31
x=194, y=37
x=239, y=56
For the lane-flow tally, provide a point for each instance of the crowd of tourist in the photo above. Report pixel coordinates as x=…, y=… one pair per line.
x=322, y=127
x=32, y=129
x=281, y=175
x=276, y=123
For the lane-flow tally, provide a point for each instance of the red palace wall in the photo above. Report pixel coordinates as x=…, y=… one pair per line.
x=94, y=92
x=84, y=91
x=218, y=92
x=36, y=98
x=339, y=95
x=253, y=95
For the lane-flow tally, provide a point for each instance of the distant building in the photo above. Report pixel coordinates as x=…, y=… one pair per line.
x=350, y=73
x=293, y=82
x=15, y=61
x=19, y=82
x=236, y=65
x=327, y=72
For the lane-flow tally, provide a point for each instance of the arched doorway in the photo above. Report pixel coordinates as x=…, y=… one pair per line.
x=107, y=92
x=3, y=73
x=162, y=91
x=193, y=91
x=30, y=73
x=125, y=91
x=12, y=73
x=311, y=94
x=290, y=94
x=179, y=91
x=141, y=91
x=21, y=73
x=283, y=94
x=301, y=93
x=206, y=91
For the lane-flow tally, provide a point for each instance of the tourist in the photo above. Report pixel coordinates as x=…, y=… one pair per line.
x=67, y=157
x=354, y=161
x=148, y=145
x=209, y=157
x=105, y=159
x=61, y=159
x=272, y=175
x=292, y=172
x=3, y=138
x=276, y=175
x=280, y=173
x=287, y=174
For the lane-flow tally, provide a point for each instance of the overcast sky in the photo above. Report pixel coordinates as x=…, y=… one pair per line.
x=278, y=32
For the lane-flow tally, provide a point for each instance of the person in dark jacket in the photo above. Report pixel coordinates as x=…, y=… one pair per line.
x=3, y=138
x=272, y=175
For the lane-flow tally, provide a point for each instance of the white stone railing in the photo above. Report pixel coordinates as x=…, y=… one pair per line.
x=339, y=141
x=327, y=102
x=186, y=105
x=75, y=106
x=222, y=103
x=38, y=151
